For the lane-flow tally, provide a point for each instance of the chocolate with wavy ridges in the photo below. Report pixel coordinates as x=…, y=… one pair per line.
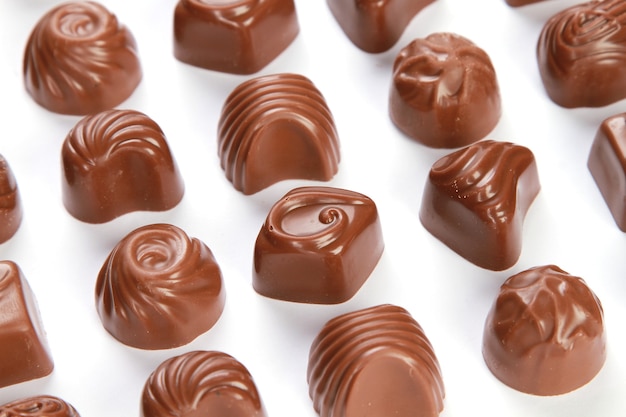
x=116, y=162
x=375, y=361
x=39, y=406
x=544, y=334
x=10, y=202
x=159, y=288
x=444, y=91
x=317, y=245
x=476, y=198
x=80, y=60
x=581, y=54
x=207, y=383
x=276, y=127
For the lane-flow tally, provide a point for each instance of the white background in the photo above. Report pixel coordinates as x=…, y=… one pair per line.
x=568, y=225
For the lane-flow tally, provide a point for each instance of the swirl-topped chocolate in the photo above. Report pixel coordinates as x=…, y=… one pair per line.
x=80, y=60
x=207, y=383
x=476, y=198
x=276, y=127
x=317, y=245
x=444, y=91
x=544, y=334
x=376, y=361
x=159, y=288
x=10, y=202
x=581, y=54
x=39, y=406
x=116, y=162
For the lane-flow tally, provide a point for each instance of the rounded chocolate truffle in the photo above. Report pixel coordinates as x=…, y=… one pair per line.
x=581, y=54
x=10, y=202
x=159, y=288
x=544, y=334
x=116, y=162
x=80, y=60
x=201, y=383
x=39, y=406
x=444, y=92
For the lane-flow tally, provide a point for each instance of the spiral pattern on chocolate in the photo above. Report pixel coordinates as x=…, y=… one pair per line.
x=42, y=406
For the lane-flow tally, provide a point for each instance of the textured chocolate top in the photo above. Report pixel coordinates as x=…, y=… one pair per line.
x=40, y=406
x=80, y=60
x=10, y=202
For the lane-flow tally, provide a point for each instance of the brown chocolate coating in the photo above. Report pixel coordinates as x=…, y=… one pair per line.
x=116, y=162
x=375, y=25
x=159, y=288
x=519, y=3
x=374, y=362
x=10, y=202
x=233, y=36
x=276, y=127
x=476, y=198
x=581, y=54
x=607, y=164
x=544, y=334
x=317, y=245
x=39, y=406
x=201, y=383
x=80, y=60
x=444, y=92
x=24, y=353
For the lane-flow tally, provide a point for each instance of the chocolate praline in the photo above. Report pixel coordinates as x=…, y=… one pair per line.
x=519, y=3
x=80, y=60
x=10, y=202
x=38, y=406
x=544, y=334
x=444, y=91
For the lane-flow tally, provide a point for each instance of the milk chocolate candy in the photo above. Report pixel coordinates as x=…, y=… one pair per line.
x=10, y=202
x=317, y=245
x=518, y=3
x=374, y=362
x=116, y=162
x=39, y=406
x=80, y=60
x=374, y=25
x=581, y=54
x=159, y=288
x=276, y=127
x=544, y=334
x=233, y=36
x=444, y=91
x=476, y=198
x=24, y=353
x=201, y=383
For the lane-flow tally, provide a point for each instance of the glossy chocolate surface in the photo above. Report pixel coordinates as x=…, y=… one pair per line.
x=233, y=36
x=374, y=25
x=276, y=127
x=374, y=362
x=24, y=353
x=444, y=91
x=476, y=198
x=518, y=3
x=544, y=334
x=581, y=54
x=201, y=383
x=10, y=202
x=39, y=406
x=159, y=288
x=80, y=60
x=317, y=245
x=116, y=162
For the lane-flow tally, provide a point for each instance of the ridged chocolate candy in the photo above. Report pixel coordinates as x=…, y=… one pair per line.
x=10, y=202
x=39, y=406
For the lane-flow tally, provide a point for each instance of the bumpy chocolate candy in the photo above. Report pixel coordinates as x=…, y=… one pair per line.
x=276, y=127
x=80, y=60
x=233, y=36
x=201, y=383
x=10, y=202
x=40, y=406
x=159, y=288
x=317, y=245
x=444, y=92
x=375, y=25
x=116, y=162
x=581, y=54
x=374, y=362
x=476, y=198
x=24, y=353
x=544, y=334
